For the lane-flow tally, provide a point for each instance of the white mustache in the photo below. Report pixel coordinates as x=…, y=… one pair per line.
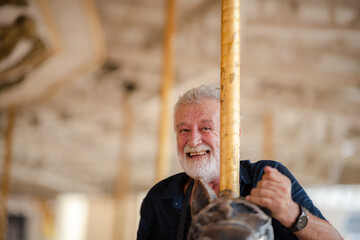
x=198, y=148
x=207, y=168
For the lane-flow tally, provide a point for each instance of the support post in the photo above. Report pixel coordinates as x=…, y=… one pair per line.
x=230, y=98
x=163, y=163
x=123, y=181
x=5, y=179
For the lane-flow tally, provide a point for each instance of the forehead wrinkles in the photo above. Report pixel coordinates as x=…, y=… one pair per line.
x=194, y=113
x=208, y=109
x=187, y=117
x=186, y=123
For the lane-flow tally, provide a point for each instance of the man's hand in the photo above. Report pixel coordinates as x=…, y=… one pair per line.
x=273, y=191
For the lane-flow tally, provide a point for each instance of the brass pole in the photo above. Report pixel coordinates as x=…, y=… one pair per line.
x=163, y=163
x=230, y=98
x=5, y=180
x=123, y=174
x=122, y=188
x=48, y=219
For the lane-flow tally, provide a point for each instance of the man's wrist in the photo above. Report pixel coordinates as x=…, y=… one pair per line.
x=292, y=215
x=301, y=221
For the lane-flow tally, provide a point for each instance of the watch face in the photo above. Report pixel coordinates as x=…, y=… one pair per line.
x=302, y=222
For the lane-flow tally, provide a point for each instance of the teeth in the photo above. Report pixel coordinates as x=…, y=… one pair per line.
x=197, y=153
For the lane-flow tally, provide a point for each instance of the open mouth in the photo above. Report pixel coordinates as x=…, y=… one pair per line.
x=196, y=154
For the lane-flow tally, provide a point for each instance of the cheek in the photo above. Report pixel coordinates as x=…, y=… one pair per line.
x=213, y=141
x=180, y=143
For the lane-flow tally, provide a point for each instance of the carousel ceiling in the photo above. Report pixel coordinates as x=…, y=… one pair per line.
x=83, y=80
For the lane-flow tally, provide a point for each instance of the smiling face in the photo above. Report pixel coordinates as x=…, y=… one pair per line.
x=197, y=127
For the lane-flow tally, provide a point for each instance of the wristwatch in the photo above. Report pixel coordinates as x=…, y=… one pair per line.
x=301, y=221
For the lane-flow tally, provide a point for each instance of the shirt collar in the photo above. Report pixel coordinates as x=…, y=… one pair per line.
x=174, y=191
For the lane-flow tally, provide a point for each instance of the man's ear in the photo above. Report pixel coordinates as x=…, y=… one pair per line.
x=240, y=132
x=201, y=196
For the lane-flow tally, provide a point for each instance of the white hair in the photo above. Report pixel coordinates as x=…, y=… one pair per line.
x=197, y=94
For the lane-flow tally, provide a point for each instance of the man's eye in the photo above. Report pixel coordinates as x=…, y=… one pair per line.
x=183, y=130
x=206, y=129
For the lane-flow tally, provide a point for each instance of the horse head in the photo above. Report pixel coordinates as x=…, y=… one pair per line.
x=215, y=218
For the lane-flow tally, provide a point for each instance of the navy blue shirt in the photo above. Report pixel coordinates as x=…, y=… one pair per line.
x=161, y=208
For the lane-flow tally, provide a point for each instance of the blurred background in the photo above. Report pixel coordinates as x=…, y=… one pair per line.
x=80, y=104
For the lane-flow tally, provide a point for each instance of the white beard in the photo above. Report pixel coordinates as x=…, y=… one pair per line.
x=207, y=167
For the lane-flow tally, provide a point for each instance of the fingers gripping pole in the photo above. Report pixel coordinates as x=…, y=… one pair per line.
x=230, y=98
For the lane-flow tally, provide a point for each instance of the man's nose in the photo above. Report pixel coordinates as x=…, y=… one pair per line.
x=194, y=139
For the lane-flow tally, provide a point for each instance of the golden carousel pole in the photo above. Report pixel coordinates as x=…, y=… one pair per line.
x=5, y=180
x=230, y=98
x=163, y=163
x=123, y=183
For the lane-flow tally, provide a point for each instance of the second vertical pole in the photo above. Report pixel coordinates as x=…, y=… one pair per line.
x=163, y=163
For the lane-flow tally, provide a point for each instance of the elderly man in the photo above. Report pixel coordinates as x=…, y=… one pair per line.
x=265, y=183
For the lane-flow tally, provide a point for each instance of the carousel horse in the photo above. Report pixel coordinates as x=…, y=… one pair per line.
x=225, y=218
